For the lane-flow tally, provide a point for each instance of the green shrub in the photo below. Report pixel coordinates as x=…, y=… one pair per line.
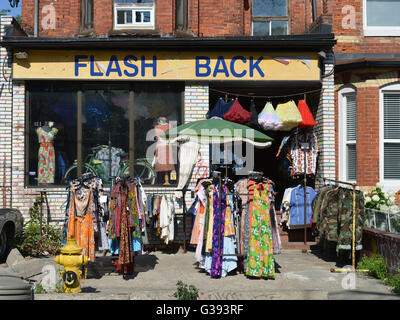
x=185, y=292
x=375, y=265
x=394, y=282
x=31, y=242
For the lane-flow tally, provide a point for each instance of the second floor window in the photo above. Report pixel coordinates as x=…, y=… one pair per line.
x=87, y=14
x=181, y=14
x=381, y=17
x=270, y=17
x=138, y=14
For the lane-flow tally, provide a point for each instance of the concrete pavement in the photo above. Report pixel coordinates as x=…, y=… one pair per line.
x=299, y=276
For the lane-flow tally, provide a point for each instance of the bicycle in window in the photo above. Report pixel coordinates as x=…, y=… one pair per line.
x=141, y=168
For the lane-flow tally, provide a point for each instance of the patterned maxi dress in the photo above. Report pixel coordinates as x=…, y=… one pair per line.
x=260, y=259
x=218, y=232
x=46, y=155
x=80, y=223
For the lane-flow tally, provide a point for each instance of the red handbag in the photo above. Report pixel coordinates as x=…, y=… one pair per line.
x=306, y=115
x=238, y=114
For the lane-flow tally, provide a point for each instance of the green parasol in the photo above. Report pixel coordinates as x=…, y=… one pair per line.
x=216, y=131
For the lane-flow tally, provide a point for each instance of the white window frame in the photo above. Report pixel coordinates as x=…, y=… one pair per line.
x=342, y=117
x=389, y=184
x=270, y=19
x=135, y=7
x=377, y=31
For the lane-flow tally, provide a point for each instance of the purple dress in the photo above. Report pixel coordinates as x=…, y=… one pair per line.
x=218, y=232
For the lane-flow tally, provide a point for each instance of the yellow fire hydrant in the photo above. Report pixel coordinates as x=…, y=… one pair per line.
x=71, y=258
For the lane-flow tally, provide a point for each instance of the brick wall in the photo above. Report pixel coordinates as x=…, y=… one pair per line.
x=352, y=40
x=6, y=96
x=367, y=83
x=217, y=18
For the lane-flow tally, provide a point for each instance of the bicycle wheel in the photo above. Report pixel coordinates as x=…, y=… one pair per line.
x=144, y=171
x=72, y=172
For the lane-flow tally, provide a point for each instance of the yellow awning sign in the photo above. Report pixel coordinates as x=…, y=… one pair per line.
x=103, y=65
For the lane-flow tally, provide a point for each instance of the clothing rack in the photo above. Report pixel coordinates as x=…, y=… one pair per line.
x=353, y=251
x=256, y=176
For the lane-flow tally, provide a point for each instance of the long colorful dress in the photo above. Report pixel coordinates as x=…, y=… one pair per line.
x=46, y=155
x=80, y=222
x=260, y=259
x=218, y=231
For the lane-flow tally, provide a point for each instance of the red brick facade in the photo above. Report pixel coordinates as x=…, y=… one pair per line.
x=217, y=18
x=367, y=83
x=210, y=18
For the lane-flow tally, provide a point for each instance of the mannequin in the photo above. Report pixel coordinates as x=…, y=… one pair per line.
x=164, y=157
x=46, y=154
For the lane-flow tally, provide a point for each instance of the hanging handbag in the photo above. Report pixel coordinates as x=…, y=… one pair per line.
x=306, y=115
x=237, y=113
x=289, y=115
x=268, y=119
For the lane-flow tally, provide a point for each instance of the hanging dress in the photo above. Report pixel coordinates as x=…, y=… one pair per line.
x=46, y=155
x=218, y=231
x=80, y=222
x=260, y=259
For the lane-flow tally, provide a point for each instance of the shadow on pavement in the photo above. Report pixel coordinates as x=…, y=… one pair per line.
x=104, y=266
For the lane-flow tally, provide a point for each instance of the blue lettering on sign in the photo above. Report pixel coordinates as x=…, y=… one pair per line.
x=221, y=61
x=255, y=66
x=92, y=72
x=233, y=71
x=110, y=68
x=79, y=65
x=152, y=65
x=203, y=68
x=205, y=65
x=128, y=64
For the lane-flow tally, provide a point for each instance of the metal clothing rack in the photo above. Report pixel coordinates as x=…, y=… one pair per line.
x=170, y=192
x=353, y=251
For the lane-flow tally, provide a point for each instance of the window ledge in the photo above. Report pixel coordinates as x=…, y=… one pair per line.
x=382, y=32
x=134, y=32
x=86, y=33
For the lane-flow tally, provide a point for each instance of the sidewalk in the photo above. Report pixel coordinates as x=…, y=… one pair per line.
x=299, y=276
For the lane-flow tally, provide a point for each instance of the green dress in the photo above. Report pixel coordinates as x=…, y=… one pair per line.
x=260, y=258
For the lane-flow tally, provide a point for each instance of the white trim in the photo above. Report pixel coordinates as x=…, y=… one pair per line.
x=135, y=7
x=342, y=143
x=387, y=184
x=375, y=31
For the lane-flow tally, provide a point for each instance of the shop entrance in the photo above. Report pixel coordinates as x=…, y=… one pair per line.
x=266, y=160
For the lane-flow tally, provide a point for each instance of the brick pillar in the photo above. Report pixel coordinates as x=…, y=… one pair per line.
x=196, y=107
x=326, y=123
x=367, y=136
x=6, y=96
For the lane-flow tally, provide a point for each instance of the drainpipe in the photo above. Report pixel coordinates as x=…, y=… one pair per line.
x=36, y=22
x=314, y=10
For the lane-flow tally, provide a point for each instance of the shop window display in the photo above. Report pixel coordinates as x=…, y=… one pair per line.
x=157, y=108
x=105, y=122
x=52, y=132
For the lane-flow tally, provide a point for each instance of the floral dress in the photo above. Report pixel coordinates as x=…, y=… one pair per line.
x=46, y=155
x=260, y=259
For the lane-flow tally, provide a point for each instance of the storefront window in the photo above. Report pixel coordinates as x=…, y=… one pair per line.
x=116, y=132
x=105, y=130
x=52, y=132
x=157, y=109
